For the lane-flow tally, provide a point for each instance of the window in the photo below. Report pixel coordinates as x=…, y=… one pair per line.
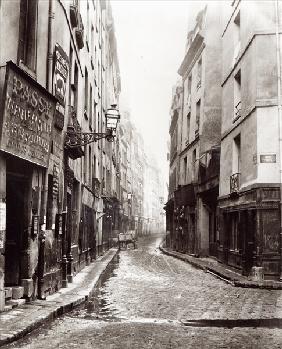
x=199, y=73
x=194, y=158
x=237, y=38
x=85, y=162
x=189, y=87
x=92, y=41
x=90, y=108
x=188, y=126
x=237, y=96
x=70, y=79
x=87, y=26
x=27, y=33
x=185, y=169
x=75, y=87
x=94, y=168
x=198, y=114
x=90, y=165
x=236, y=167
x=86, y=93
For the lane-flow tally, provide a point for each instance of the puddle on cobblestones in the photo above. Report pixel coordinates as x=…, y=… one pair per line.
x=229, y=323
x=98, y=307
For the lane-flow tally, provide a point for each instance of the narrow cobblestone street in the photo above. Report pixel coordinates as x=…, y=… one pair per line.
x=147, y=297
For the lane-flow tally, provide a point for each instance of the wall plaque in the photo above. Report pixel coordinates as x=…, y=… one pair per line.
x=27, y=121
x=268, y=158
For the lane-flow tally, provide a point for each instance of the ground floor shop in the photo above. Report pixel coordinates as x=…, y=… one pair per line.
x=249, y=233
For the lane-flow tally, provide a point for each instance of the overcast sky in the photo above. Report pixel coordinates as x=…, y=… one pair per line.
x=151, y=38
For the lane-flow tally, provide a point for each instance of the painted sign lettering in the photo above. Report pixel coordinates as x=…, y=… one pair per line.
x=27, y=118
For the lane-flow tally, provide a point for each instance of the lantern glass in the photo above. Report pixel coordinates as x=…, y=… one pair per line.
x=112, y=118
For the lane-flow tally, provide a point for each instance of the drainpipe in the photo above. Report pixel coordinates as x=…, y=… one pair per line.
x=41, y=248
x=279, y=121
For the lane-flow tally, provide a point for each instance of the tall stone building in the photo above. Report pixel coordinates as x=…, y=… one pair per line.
x=195, y=138
x=225, y=200
x=250, y=165
x=58, y=203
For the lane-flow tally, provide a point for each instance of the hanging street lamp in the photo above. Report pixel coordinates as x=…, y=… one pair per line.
x=75, y=138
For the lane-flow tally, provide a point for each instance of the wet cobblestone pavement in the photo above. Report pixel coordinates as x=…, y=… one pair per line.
x=150, y=300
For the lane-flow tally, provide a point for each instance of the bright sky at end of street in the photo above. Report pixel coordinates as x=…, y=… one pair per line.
x=151, y=37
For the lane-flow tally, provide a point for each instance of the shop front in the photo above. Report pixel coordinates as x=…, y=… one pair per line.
x=26, y=124
x=249, y=235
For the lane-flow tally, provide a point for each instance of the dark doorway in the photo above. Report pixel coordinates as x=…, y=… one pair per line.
x=16, y=234
x=249, y=241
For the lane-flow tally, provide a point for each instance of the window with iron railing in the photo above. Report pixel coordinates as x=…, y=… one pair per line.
x=237, y=96
x=234, y=183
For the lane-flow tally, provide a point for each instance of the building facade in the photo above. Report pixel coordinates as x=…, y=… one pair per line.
x=229, y=151
x=250, y=162
x=59, y=203
x=195, y=139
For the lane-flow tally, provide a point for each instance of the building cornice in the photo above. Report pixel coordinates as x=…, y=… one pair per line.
x=194, y=49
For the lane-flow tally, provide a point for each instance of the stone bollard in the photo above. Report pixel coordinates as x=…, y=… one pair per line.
x=257, y=274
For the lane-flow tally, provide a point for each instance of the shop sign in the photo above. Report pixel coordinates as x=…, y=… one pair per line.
x=268, y=158
x=2, y=223
x=60, y=75
x=27, y=122
x=61, y=70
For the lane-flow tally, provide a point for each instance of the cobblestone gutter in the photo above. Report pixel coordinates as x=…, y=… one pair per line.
x=16, y=323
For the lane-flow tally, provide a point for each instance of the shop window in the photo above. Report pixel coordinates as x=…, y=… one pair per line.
x=235, y=239
x=27, y=33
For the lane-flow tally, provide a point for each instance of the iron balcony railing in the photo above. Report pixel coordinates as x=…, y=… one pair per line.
x=237, y=111
x=234, y=183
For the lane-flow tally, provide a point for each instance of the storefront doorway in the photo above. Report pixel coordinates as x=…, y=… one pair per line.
x=17, y=185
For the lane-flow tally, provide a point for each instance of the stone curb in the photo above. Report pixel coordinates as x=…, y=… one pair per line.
x=240, y=282
x=52, y=309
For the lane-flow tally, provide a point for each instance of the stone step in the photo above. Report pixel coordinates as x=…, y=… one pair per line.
x=15, y=302
x=17, y=292
x=8, y=292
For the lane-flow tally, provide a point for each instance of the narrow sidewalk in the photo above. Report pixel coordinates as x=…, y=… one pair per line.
x=222, y=271
x=19, y=321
